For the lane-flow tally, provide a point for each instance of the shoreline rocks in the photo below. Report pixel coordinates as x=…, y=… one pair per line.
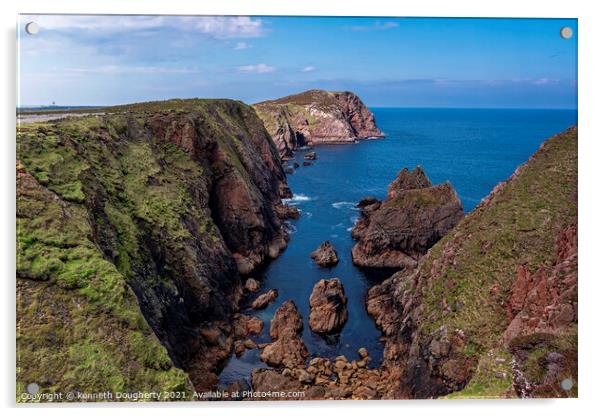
x=328, y=307
x=325, y=255
x=396, y=232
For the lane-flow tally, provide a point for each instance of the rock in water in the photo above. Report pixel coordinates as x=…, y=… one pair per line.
x=328, y=307
x=325, y=255
x=316, y=117
x=288, y=349
x=262, y=301
x=310, y=156
x=396, y=232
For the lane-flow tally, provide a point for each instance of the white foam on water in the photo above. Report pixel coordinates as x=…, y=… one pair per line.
x=297, y=199
x=344, y=205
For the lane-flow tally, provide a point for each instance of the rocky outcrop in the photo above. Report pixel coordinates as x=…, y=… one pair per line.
x=316, y=117
x=328, y=307
x=325, y=255
x=262, y=301
x=172, y=199
x=396, y=232
x=336, y=379
x=287, y=348
x=491, y=309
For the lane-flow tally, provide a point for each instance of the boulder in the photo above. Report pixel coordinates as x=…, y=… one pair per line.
x=310, y=156
x=288, y=349
x=262, y=301
x=252, y=285
x=325, y=255
x=328, y=307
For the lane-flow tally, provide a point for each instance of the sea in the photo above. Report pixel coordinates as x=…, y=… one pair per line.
x=473, y=149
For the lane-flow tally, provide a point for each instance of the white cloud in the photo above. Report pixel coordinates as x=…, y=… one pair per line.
x=376, y=26
x=258, y=68
x=241, y=45
x=309, y=69
x=221, y=27
x=230, y=27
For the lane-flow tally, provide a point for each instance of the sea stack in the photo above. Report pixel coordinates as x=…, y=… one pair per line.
x=396, y=232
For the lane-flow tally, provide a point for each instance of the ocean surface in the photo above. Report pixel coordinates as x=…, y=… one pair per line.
x=474, y=149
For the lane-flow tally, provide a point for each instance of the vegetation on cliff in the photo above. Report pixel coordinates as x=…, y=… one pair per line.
x=493, y=304
x=169, y=201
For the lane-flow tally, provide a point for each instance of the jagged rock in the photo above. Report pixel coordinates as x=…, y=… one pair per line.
x=252, y=285
x=310, y=156
x=325, y=255
x=365, y=201
x=288, y=349
x=398, y=231
x=316, y=117
x=262, y=301
x=328, y=307
x=286, y=211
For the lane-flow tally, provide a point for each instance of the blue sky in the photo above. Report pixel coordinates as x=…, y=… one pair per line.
x=405, y=62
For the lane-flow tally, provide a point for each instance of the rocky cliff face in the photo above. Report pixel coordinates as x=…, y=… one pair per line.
x=396, y=232
x=316, y=117
x=170, y=201
x=491, y=310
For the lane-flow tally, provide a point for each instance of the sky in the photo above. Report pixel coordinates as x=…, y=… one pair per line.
x=388, y=62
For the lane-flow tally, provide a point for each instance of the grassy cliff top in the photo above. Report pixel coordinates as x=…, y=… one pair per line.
x=320, y=97
x=174, y=104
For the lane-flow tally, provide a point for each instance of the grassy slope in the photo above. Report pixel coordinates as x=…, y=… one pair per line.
x=79, y=327
x=519, y=226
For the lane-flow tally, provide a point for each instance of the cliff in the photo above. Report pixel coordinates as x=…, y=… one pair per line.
x=133, y=230
x=491, y=310
x=316, y=117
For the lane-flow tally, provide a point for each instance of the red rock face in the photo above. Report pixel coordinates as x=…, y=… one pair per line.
x=545, y=301
x=398, y=231
x=245, y=199
x=317, y=117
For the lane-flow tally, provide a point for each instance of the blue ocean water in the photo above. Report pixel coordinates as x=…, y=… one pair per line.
x=474, y=149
